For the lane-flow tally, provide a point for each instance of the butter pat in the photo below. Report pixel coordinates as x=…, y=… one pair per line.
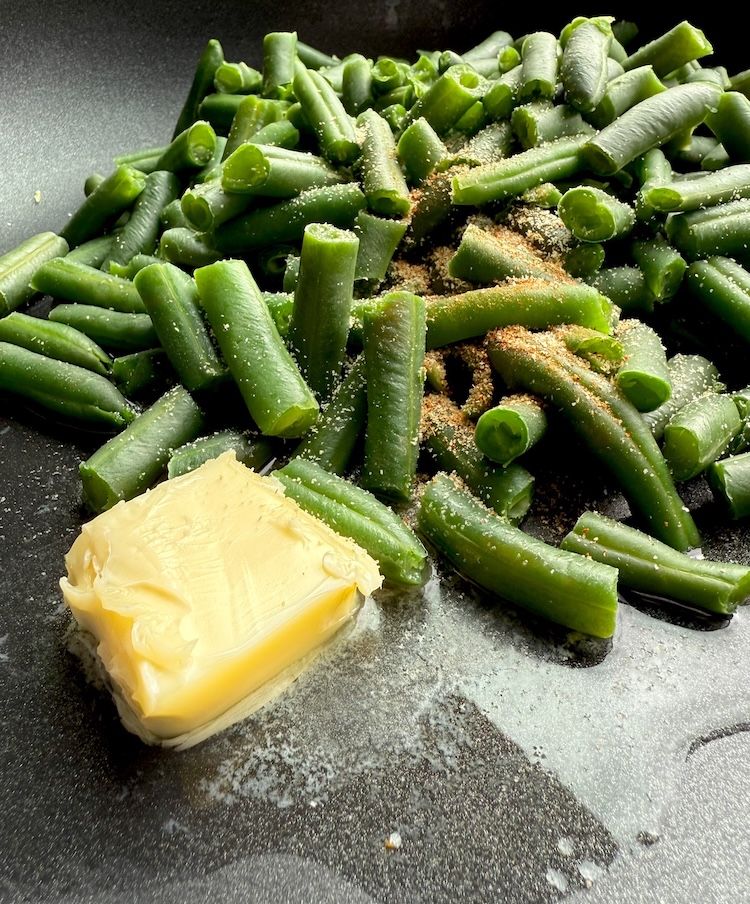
x=205, y=596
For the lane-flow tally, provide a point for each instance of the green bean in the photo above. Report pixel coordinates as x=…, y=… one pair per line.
x=279, y=57
x=699, y=433
x=277, y=398
x=535, y=303
x=202, y=84
x=325, y=112
x=583, y=68
x=254, y=452
x=275, y=172
x=143, y=159
x=383, y=180
x=512, y=427
x=19, y=265
x=170, y=298
x=314, y=58
x=582, y=260
x=93, y=251
x=691, y=375
x=679, y=45
x=700, y=190
x=447, y=434
x=446, y=101
x=356, y=513
x=280, y=134
x=487, y=255
x=502, y=95
x=130, y=462
x=649, y=566
x=104, y=205
x=602, y=352
x=379, y=237
x=594, y=215
x=731, y=125
x=185, y=247
x=612, y=428
x=662, y=265
x=286, y=220
x=540, y=66
x=491, y=143
x=237, y=78
x=253, y=114
x=626, y=287
x=721, y=230
x=356, y=83
x=114, y=330
x=146, y=370
x=643, y=376
x=319, y=327
x=206, y=205
x=729, y=480
x=394, y=347
x=573, y=591
x=722, y=286
x=539, y=121
x=219, y=110
x=559, y=159
x=67, y=279
x=75, y=393
x=331, y=441
x=140, y=235
x=55, y=340
x=190, y=150
x=133, y=266
x=625, y=91
x=650, y=123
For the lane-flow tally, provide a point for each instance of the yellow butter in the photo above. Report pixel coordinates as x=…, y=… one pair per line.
x=206, y=595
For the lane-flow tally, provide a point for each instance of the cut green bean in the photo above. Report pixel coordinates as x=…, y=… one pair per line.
x=729, y=479
x=594, y=215
x=625, y=91
x=510, y=428
x=449, y=98
x=699, y=433
x=55, y=340
x=72, y=392
x=286, y=221
x=145, y=371
x=278, y=399
x=573, y=591
x=649, y=566
x=237, y=78
x=535, y=303
x=253, y=114
x=503, y=93
x=723, y=230
x=93, y=251
x=319, y=328
x=117, y=331
x=722, y=286
x=185, y=247
x=67, y=279
x=356, y=513
x=662, y=265
x=584, y=66
x=643, y=376
x=626, y=287
x=104, y=205
x=275, y=172
x=379, y=237
x=279, y=57
x=140, y=235
x=700, y=190
x=18, y=267
x=202, y=84
x=691, y=375
x=383, y=180
x=559, y=159
x=130, y=462
x=448, y=435
x=681, y=44
x=170, y=298
x=190, y=150
x=325, y=112
x=356, y=83
x=332, y=440
x=650, y=123
x=254, y=452
x=394, y=348
x=612, y=428
x=540, y=66
x=539, y=121
x=488, y=255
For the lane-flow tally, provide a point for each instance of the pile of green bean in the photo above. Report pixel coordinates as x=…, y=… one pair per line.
x=296, y=272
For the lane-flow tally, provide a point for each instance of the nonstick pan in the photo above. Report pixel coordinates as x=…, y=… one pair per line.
x=452, y=749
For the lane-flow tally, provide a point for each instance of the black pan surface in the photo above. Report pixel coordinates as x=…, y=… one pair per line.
x=451, y=750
